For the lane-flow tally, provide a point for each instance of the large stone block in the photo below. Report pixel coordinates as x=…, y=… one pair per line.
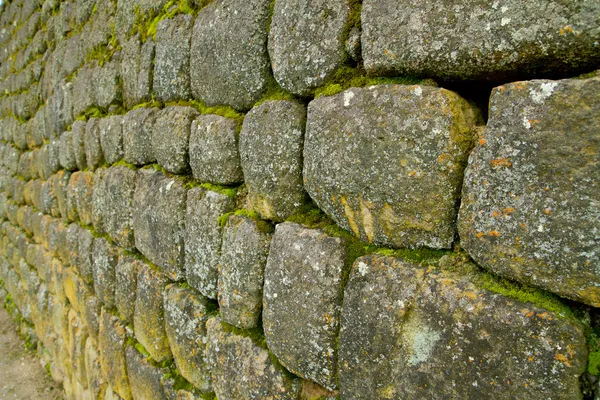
x=304, y=274
x=214, y=155
x=78, y=142
x=81, y=186
x=229, y=63
x=271, y=144
x=172, y=60
x=95, y=381
x=107, y=83
x=244, y=370
x=111, y=138
x=186, y=314
x=137, y=135
x=307, y=42
x=530, y=202
x=144, y=378
x=149, y=320
x=413, y=332
x=76, y=346
x=459, y=40
x=171, y=136
x=93, y=149
x=84, y=259
x=137, y=67
x=159, y=206
x=203, y=238
x=126, y=286
x=386, y=162
x=66, y=152
x=111, y=346
x=244, y=252
x=105, y=257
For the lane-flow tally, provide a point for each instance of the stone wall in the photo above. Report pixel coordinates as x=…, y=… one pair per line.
x=255, y=199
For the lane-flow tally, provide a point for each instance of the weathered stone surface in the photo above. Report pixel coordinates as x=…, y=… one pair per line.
x=93, y=150
x=530, y=202
x=306, y=42
x=271, y=144
x=126, y=286
x=78, y=142
x=159, y=206
x=76, y=346
x=83, y=191
x=304, y=274
x=386, y=162
x=83, y=10
x=66, y=153
x=107, y=85
x=403, y=326
x=112, y=201
x=111, y=138
x=186, y=314
x=84, y=255
x=149, y=320
x=244, y=252
x=171, y=136
x=91, y=316
x=137, y=135
x=214, y=155
x=128, y=11
x=137, y=70
x=82, y=90
x=104, y=261
x=203, y=238
x=144, y=377
x=172, y=60
x=243, y=370
x=111, y=346
x=95, y=380
x=465, y=41
x=228, y=58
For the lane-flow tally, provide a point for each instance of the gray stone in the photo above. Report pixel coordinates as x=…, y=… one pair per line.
x=78, y=141
x=137, y=135
x=172, y=60
x=93, y=149
x=83, y=10
x=111, y=138
x=104, y=262
x=530, y=201
x=59, y=188
x=84, y=260
x=107, y=83
x=111, y=346
x=95, y=380
x=186, y=314
x=271, y=144
x=304, y=274
x=306, y=42
x=243, y=370
x=203, y=238
x=144, y=377
x=214, y=155
x=126, y=286
x=148, y=319
x=171, y=136
x=83, y=90
x=84, y=189
x=229, y=63
x=352, y=44
x=128, y=11
x=66, y=152
x=91, y=315
x=386, y=162
x=244, y=254
x=159, y=206
x=404, y=325
x=460, y=40
x=137, y=67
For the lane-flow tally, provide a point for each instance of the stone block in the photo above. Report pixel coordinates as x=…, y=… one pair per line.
x=91, y=143
x=66, y=152
x=203, y=238
x=76, y=345
x=76, y=290
x=306, y=43
x=171, y=136
x=149, y=319
x=84, y=260
x=186, y=314
x=111, y=346
x=158, y=220
x=81, y=187
x=78, y=142
x=137, y=67
x=83, y=90
x=214, y=155
x=229, y=63
x=137, y=136
x=243, y=370
x=111, y=138
x=107, y=83
x=172, y=59
x=244, y=252
x=126, y=286
x=403, y=325
x=304, y=274
x=386, y=162
x=271, y=145
x=91, y=315
x=144, y=378
x=529, y=207
x=105, y=257
x=96, y=382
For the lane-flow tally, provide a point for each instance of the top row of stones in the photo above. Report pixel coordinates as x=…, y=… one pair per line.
x=228, y=48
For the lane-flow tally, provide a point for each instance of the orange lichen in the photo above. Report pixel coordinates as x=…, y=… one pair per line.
x=501, y=162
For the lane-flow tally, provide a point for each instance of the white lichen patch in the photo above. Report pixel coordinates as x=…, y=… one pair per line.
x=544, y=92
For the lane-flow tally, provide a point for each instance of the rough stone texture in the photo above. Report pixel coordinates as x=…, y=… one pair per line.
x=111, y=346
x=126, y=14
x=306, y=42
x=111, y=138
x=458, y=40
x=243, y=370
x=214, y=155
x=93, y=149
x=84, y=255
x=107, y=83
x=104, y=262
x=66, y=154
x=244, y=252
x=126, y=286
x=149, y=320
x=304, y=274
x=530, y=203
x=137, y=70
x=203, y=238
x=172, y=60
x=144, y=377
x=186, y=314
x=78, y=142
x=95, y=380
x=137, y=135
x=229, y=63
x=386, y=162
x=159, y=205
x=171, y=136
x=412, y=332
x=271, y=144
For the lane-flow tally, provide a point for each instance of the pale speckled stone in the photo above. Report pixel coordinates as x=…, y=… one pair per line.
x=91, y=143
x=111, y=346
x=104, y=261
x=171, y=137
x=111, y=138
x=144, y=378
x=126, y=286
x=137, y=135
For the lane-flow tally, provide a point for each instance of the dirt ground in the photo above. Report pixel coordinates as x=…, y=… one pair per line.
x=22, y=376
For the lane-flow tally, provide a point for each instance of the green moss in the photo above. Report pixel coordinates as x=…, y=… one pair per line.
x=148, y=104
x=230, y=192
x=146, y=25
x=223, y=111
x=123, y=163
x=593, y=366
x=209, y=396
x=104, y=51
x=262, y=225
x=257, y=335
x=179, y=382
x=139, y=347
